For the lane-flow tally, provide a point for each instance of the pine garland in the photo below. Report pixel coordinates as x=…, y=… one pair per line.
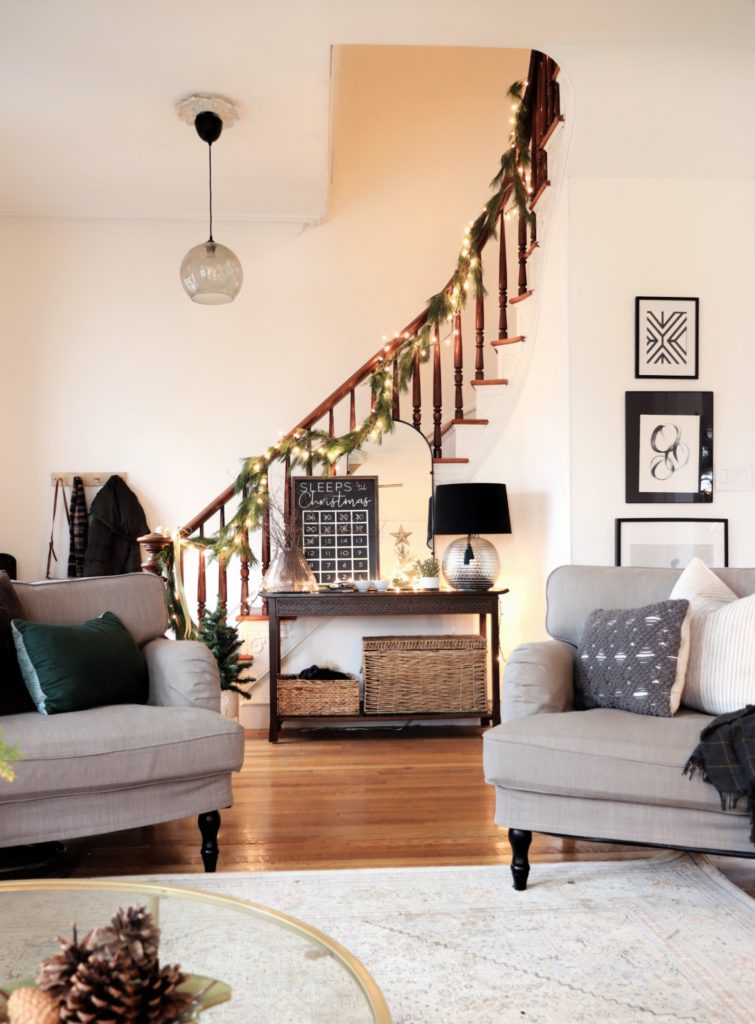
x=313, y=449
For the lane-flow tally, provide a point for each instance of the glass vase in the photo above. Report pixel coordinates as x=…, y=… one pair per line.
x=289, y=573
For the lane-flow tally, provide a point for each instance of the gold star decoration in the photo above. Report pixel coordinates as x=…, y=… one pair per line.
x=402, y=536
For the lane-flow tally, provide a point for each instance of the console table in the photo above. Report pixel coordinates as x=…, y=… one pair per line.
x=483, y=603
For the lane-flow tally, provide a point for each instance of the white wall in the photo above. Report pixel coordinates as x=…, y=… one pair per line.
x=658, y=237
x=107, y=364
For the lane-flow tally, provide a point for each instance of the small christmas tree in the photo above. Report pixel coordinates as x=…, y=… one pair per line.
x=223, y=640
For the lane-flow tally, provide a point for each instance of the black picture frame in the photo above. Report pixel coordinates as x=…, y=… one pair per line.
x=669, y=446
x=676, y=540
x=666, y=337
x=338, y=522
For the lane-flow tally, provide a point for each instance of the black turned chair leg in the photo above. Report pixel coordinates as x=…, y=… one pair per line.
x=520, y=866
x=209, y=825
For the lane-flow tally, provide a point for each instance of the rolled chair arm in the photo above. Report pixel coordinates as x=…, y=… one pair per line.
x=538, y=679
x=182, y=673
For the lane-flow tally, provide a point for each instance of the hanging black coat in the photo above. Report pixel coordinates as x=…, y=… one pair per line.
x=116, y=519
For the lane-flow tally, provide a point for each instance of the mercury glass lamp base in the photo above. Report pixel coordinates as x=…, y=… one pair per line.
x=480, y=573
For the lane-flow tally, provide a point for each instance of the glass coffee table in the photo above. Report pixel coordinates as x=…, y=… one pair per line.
x=279, y=970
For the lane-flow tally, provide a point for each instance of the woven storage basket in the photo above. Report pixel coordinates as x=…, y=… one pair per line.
x=318, y=696
x=424, y=673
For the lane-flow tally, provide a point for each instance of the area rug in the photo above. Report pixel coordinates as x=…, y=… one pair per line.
x=666, y=940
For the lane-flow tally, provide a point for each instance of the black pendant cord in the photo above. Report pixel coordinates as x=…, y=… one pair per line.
x=209, y=147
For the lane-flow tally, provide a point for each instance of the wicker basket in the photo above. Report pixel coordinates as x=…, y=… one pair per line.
x=318, y=696
x=424, y=673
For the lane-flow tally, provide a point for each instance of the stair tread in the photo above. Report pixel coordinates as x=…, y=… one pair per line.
x=551, y=129
x=484, y=383
x=508, y=341
x=532, y=247
x=444, y=461
x=520, y=298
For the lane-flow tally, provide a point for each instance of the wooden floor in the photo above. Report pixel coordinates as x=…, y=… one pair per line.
x=349, y=800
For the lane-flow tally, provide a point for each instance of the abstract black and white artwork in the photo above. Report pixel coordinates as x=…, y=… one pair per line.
x=666, y=337
x=669, y=446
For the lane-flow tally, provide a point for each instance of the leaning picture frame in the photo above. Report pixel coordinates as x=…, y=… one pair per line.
x=669, y=446
x=672, y=543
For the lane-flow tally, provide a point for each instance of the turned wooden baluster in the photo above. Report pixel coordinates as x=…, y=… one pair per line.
x=222, y=572
x=437, y=398
x=522, y=254
x=287, y=499
x=352, y=410
x=416, y=392
x=395, y=395
x=332, y=433
x=503, y=281
x=458, y=370
x=265, y=553
x=201, y=580
x=309, y=458
x=244, y=602
x=479, y=336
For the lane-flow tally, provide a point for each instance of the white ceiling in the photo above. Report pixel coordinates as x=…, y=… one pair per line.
x=89, y=86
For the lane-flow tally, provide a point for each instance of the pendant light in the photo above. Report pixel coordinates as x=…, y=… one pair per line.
x=211, y=273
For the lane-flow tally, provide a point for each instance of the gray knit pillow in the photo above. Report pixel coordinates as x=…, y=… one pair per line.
x=634, y=659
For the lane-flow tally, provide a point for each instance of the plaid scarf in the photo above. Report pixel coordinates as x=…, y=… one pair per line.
x=79, y=527
x=725, y=757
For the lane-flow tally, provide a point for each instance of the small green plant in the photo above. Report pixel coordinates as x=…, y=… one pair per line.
x=223, y=640
x=7, y=756
x=427, y=566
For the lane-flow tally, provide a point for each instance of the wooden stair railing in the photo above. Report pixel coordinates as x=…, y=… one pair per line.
x=543, y=114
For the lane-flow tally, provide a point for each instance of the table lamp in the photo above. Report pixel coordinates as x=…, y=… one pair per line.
x=471, y=562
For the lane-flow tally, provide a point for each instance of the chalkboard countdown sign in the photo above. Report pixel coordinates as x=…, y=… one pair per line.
x=338, y=517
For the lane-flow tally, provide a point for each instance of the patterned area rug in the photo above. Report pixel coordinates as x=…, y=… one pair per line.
x=667, y=939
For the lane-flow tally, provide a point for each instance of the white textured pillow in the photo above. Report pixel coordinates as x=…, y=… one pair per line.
x=721, y=667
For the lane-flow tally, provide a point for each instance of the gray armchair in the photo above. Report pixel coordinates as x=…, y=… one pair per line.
x=116, y=767
x=601, y=774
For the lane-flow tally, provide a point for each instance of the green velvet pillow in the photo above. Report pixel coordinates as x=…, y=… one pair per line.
x=69, y=668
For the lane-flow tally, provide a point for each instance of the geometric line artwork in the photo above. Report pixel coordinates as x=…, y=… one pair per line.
x=666, y=338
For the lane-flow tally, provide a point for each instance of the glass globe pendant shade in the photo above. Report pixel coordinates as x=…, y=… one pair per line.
x=211, y=274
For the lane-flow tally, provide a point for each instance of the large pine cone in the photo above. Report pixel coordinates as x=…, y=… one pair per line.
x=117, y=990
x=106, y=991
x=30, y=1006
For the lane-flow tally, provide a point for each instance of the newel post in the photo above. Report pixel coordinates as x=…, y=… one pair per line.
x=152, y=544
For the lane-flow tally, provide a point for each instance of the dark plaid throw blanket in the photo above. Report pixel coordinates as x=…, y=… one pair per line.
x=725, y=756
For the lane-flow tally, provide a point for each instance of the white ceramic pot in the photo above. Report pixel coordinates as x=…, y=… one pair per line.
x=429, y=582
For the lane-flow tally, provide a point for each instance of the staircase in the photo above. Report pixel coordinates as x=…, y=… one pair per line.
x=456, y=395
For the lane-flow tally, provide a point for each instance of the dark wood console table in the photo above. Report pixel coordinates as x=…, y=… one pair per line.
x=427, y=602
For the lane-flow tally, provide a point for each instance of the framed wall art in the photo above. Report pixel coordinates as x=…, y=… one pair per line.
x=669, y=446
x=666, y=337
x=672, y=543
x=338, y=519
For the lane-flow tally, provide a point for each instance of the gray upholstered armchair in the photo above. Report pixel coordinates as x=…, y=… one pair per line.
x=120, y=766
x=600, y=774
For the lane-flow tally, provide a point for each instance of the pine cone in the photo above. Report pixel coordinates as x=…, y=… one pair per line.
x=106, y=991
x=30, y=1006
x=162, y=1002
x=131, y=931
x=57, y=970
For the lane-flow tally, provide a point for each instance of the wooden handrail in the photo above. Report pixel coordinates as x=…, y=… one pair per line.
x=542, y=71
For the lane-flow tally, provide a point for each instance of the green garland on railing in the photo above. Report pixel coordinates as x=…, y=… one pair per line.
x=305, y=448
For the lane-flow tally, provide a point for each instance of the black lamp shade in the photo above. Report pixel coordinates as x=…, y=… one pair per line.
x=470, y=508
